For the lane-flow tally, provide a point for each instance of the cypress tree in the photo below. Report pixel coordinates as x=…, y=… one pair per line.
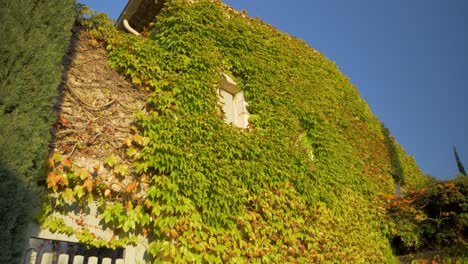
x=35, y=37
x=461, y=169
x=15, y=214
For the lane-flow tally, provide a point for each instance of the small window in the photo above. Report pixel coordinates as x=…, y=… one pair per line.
x=233, y=101
x=397, y=189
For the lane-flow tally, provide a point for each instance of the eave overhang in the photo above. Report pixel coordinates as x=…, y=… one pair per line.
x=139, y=13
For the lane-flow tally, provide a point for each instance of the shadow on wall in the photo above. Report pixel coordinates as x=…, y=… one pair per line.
x=15, y=215
x=397, y=167
x=66, y=62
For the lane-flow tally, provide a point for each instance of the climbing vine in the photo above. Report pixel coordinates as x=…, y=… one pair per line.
x=300, y=184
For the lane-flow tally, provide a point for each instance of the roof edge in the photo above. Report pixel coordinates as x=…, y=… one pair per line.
x=129, y=10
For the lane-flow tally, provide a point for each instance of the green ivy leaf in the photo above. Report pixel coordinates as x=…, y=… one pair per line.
x=68, y=195
x=121, y=170
x=78, y=191
x=83, y=173
x=110, y=161
x=57, y=158
x=131, y=152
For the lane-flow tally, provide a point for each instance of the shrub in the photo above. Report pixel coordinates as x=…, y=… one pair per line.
x=15, y=213
x=35, y=37
x=432, y=217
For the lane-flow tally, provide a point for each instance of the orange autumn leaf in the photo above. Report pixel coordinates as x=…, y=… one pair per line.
x=62, y=179
x=387, y=196
x=83, y=173
x=55, y=180
x=52, y=181
x=67, y=162
x=96, y=168
x=131, y=187
x=88, y=184
x=63, y=120
x=127, y=142
x=93, y=42
x=450, y=185
x=143, y=178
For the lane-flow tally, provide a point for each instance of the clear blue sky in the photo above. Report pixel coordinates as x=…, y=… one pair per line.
x=408, y=58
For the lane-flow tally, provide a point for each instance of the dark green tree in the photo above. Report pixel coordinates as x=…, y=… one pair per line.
x=461, y=169
x=34, y=40
x=15, y=215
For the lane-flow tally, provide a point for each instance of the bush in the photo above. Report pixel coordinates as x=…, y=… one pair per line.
x=15, y=212
x=35, y=37
x=433, y=217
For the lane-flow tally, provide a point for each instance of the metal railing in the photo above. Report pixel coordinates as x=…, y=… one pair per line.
x=46, y=251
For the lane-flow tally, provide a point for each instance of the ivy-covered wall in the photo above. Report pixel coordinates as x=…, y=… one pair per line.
x=301, y=184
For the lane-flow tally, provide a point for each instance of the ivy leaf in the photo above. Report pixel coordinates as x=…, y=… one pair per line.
x=136, y=80
x=126, y=226
x=121, y=170
x=88, y=184
x=107, y=215
x=83, y=173
x=52, y=181
x=67, y=163
x=144, y=219
x=129, y=205
x=63, y=178
x=93, y=42
x=127, y=142
x=68, y=195
x=131, y=187
x=90, y=198
x=154, y=248
x=131, y=152
x=57, y=158
x=137, y=139
x=78, y=191
x=140, y=140
x=156, y=210
x=110, y=161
